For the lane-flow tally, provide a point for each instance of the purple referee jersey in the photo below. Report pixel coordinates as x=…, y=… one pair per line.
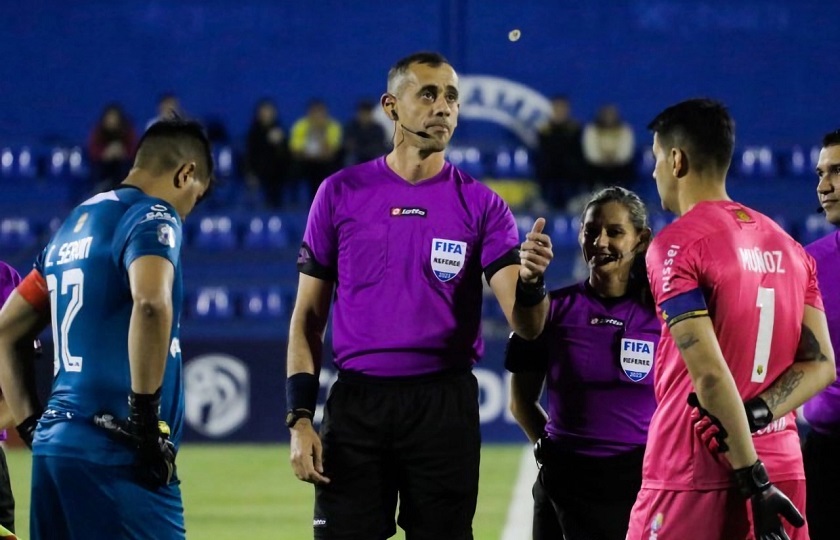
x=407, y=260
x=823, y=410
x=600, y=371
x=9, y=279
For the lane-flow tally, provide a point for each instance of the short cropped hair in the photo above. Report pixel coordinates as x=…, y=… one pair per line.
x=831, y=139
x=702, y=127
x=401, y=67
x=168, y=143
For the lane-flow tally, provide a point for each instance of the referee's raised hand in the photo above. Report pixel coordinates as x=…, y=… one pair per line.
x=306, y=453
x=535, y=253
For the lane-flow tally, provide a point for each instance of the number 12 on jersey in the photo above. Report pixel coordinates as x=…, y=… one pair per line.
x=72, y=283
x=766, y=304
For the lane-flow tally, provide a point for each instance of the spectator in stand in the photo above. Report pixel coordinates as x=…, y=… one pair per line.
x=608, y=147
x=111, y=147
x=560, y=165
x=315, y=144
x=169, y=106
x=267, y=153
x=364, y=137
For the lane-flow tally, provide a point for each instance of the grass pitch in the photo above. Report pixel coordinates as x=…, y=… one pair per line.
x=249, y=491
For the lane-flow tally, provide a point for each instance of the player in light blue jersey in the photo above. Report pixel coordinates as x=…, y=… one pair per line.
x=110, y=280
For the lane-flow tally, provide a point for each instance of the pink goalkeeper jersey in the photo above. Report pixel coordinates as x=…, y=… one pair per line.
x=756, y=281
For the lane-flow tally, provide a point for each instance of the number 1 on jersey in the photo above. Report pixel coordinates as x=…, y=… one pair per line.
x=766, y=304
x=72, y=281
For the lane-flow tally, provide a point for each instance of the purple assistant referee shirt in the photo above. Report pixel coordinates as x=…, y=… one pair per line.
x=599, y=376
x=407, y=260
x=9, y=279
x=823, y=410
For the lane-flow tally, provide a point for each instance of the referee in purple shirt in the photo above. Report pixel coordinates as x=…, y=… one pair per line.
x=397, y=247
x=821, y=449
x=596, y=358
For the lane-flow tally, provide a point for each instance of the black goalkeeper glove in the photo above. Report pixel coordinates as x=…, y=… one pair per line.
x=26, y=429
x=144, y=431
x=767, y=502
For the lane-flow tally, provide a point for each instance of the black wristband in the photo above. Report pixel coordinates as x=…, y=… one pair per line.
x=145, y=408
x=302, y=392
x=759, y=414
x=752, y=480
x=530, y=294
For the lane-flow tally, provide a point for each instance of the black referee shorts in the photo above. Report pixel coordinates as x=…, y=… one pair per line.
x=592, y=496
x=412, y=440
x=821, y=454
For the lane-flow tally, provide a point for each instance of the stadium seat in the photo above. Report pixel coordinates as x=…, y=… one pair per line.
x=525, y=223
x=223, y=159
x=646, y=164
x=67, y=163
x=18, y=163
x=468, y=159
x=212, y=303
x=16, y=233
x=512, y=163
x=266, y=232
x=757, y=161
x=272, y=303
x=564, y=230
x=802, y=161
x=815, y=227
x=215, y=232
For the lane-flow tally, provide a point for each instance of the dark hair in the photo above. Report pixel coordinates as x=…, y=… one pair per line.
x=169, y=143
x=702, y=127
x=401, y=67
x=638, y=282
x=831, y=139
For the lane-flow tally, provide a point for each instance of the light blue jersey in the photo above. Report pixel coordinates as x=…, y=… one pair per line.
x=86, y=269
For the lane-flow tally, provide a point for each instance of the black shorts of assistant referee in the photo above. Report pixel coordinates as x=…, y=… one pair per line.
x=592, y=496
x=416, y=440
x=7, y=500
x=821, y=454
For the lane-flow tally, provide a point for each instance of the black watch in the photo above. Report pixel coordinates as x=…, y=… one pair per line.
x=294, y=415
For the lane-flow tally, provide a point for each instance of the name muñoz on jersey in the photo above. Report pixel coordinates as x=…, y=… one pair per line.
x=86, y=266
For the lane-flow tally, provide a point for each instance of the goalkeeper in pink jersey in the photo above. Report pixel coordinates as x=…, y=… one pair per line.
x=744, y=331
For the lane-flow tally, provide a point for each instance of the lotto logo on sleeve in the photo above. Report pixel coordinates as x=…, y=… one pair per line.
x=447, y=258
x=636, y=358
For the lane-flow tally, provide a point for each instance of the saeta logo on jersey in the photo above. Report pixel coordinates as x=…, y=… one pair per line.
x=448, y=258
x=217, y=394
x=413, y=211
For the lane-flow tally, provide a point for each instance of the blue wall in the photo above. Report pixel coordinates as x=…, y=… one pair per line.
x=771, y=60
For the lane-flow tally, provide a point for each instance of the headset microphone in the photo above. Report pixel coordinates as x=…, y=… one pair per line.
x=421, y=134
x=820, y=210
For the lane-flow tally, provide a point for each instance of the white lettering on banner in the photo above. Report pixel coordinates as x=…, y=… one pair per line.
x=519, y=108
x=494, y=399
x=217, y=394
